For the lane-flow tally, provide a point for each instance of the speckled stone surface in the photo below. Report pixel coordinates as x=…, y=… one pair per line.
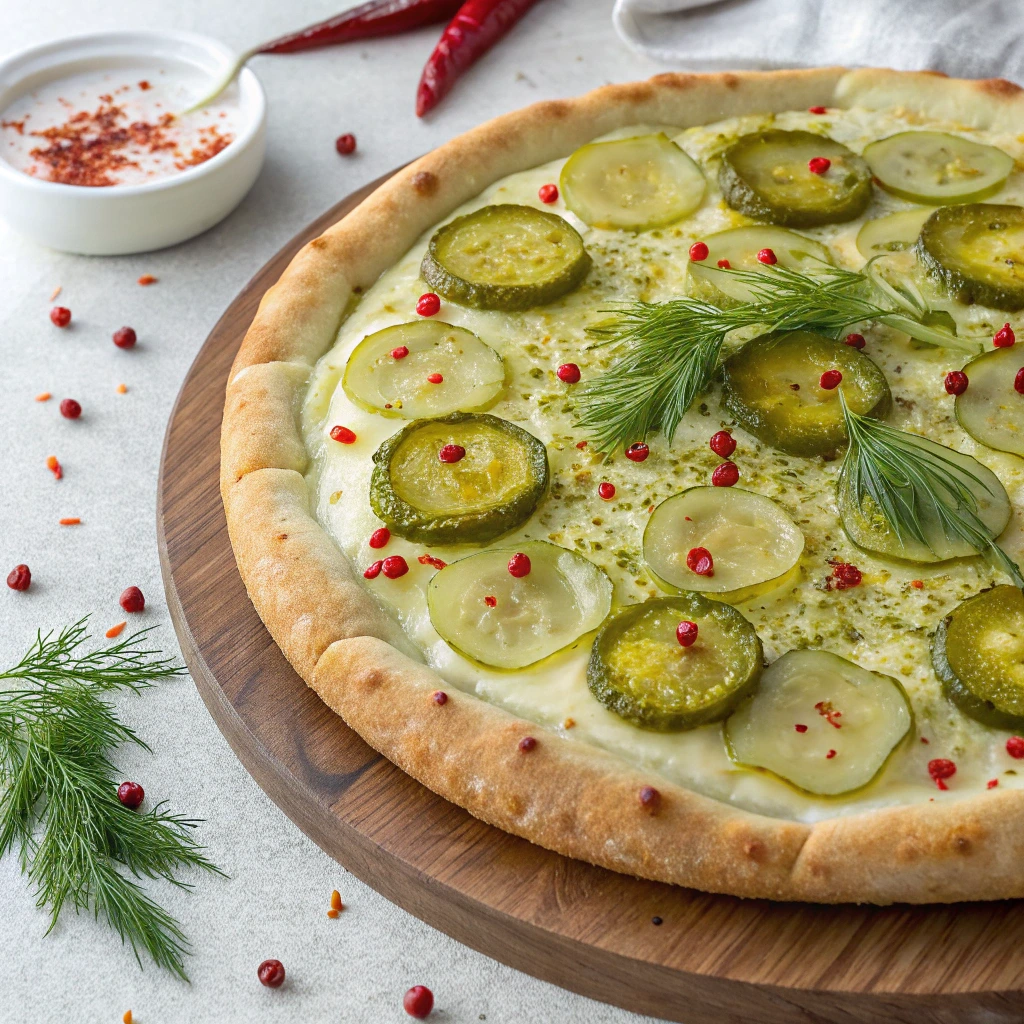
x=274, y=901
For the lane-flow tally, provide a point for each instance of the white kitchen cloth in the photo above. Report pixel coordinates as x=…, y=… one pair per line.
x=964, y=38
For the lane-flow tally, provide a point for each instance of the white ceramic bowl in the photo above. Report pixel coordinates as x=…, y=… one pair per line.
x=120, y=219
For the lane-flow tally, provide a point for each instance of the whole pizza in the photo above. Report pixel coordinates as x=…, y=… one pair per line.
x=639, y=472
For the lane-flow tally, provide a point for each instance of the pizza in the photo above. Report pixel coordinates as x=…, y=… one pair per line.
x=640, y=472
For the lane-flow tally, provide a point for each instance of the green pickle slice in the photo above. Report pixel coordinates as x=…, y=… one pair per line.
x=991, y=410
x=771, y=386
x=505, y=257
x=851, y=720
x=895, y=232
x=481, y=610
x=631, y=184
x=976, y=251
x=492, y=489
x=639, y=670
x=978, y=655
x=474, y=374
x=766, y=176
x=755, y=547
x=937, y=168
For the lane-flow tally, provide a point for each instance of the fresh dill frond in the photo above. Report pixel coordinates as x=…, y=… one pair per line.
x=58, y=790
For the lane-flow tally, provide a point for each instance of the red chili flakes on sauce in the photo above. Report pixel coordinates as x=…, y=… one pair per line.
x=428, y=559
x=940, y=769
x=211, y=142
x=828, y=712
x=844, y=576
x=581, y=445
x=491, y=601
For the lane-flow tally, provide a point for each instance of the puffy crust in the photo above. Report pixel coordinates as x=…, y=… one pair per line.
x=564, y=795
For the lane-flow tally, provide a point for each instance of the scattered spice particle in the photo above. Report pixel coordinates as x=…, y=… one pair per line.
x=115, y=630
x=147, y=279
x=70, y=521
x=56, y=291
x=428, y=559
x=336, y=903
x=800, y=727
x=332, y=913
x=830, y=755
x=917, y=584
x=992, y=783
x=656, y=920
x=335, y=498
x=581, y=445
x=527, y=743
x=127, y=1018
x=569, y=723
x=43, y=396
x=211, y=142
x=122, y=389
x=54, y=467
x=491, y=601
x=440, y=698
x=940, y=769
x=827, y=711
x=924, y=739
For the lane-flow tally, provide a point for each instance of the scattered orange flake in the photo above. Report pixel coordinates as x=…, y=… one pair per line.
x=144, y=85
x=334, y=498
x=568, y=723
x=56, y=292
x=43, y=396
x=127, y=1018
x=122, y=389
x=54, y=466
x=332, y=914
x=336, y=903
x=147, y=279
x=70, y=521
x=992, y=783
x=924, y=739
x=115, y=630
x=917, y=584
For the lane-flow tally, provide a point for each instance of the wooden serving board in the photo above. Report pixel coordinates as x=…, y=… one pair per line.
x=713, y=960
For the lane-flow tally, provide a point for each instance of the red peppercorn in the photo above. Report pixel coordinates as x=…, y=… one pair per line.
x=527, y=743
x=725, y=475
x=440, y=698
x=371, y=572
x=125, y=337
x=428, y=304
x=941, y=769
x=830, y=380
x=606, y=491
x=1015, y=747
x=418, y=1001
x=956, y=382
x=1018, y=382
x=519, y=565
x=568, y=373
x=698, y=252
x=20, y=577
x=452, y=453
x=131, y=794
x=435, y=378
x=380, y=537
x=724, y=265
x=818, y=164
x=830, y=755
x=400, y=352
x=70, y=409
x=722, y=443
x=132, y=600
x=271, y=973
x=686, y=633
x=343, y=435
x=650, y=798
x=345, y=144
x=800, y=727
x=548, y=193
x=767, y=256
x=845, y=576
x=855, y=341
x=637, y=452
x=394, y=566
x=699, y=561
x=60, y=316
x=992, y=783
x=815, y=110
x=1004, y=337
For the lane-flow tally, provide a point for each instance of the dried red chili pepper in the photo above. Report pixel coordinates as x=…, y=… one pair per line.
x=476, y=27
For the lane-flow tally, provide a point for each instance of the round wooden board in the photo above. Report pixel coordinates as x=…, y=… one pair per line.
x=714, y=960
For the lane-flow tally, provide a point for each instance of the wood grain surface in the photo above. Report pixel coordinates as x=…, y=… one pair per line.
x=713, y=960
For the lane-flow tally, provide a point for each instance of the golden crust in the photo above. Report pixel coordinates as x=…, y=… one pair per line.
x=562, y=794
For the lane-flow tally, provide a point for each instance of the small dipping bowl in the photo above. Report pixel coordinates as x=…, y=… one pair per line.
x=139, y=216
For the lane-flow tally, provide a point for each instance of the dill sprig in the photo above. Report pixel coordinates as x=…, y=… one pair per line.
x=58, y=790
x=912, y=485
x=669, y=351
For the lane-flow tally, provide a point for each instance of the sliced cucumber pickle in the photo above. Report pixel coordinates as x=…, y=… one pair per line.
x=766, y=176
x=492, y=489
x=632, y=184
x=937, y=168
x=505, y=257
x=771, y=386
x=854, y=720
x=978, y=655
x=754, y=545
x=896, y=232
x=991, y=410
x=474, y=374
x=740, y=247
x=479, y=608
x=868, y=528
x=977, y=252
x=639, y=670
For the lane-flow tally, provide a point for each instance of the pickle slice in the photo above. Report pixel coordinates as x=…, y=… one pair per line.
x=766, y=176
x=631, y=184
x=740, y=246
x=484, y=612
x=474, y=374
x=639, y=670
x=991, y=410
x=755, y=547
x=492, y=489
x=896, y=232
x=978, y=655
x=854, y=720
x=937, y=168
x=977, y=252
x=505, y=257
x=868, y=528
x=771, y=386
